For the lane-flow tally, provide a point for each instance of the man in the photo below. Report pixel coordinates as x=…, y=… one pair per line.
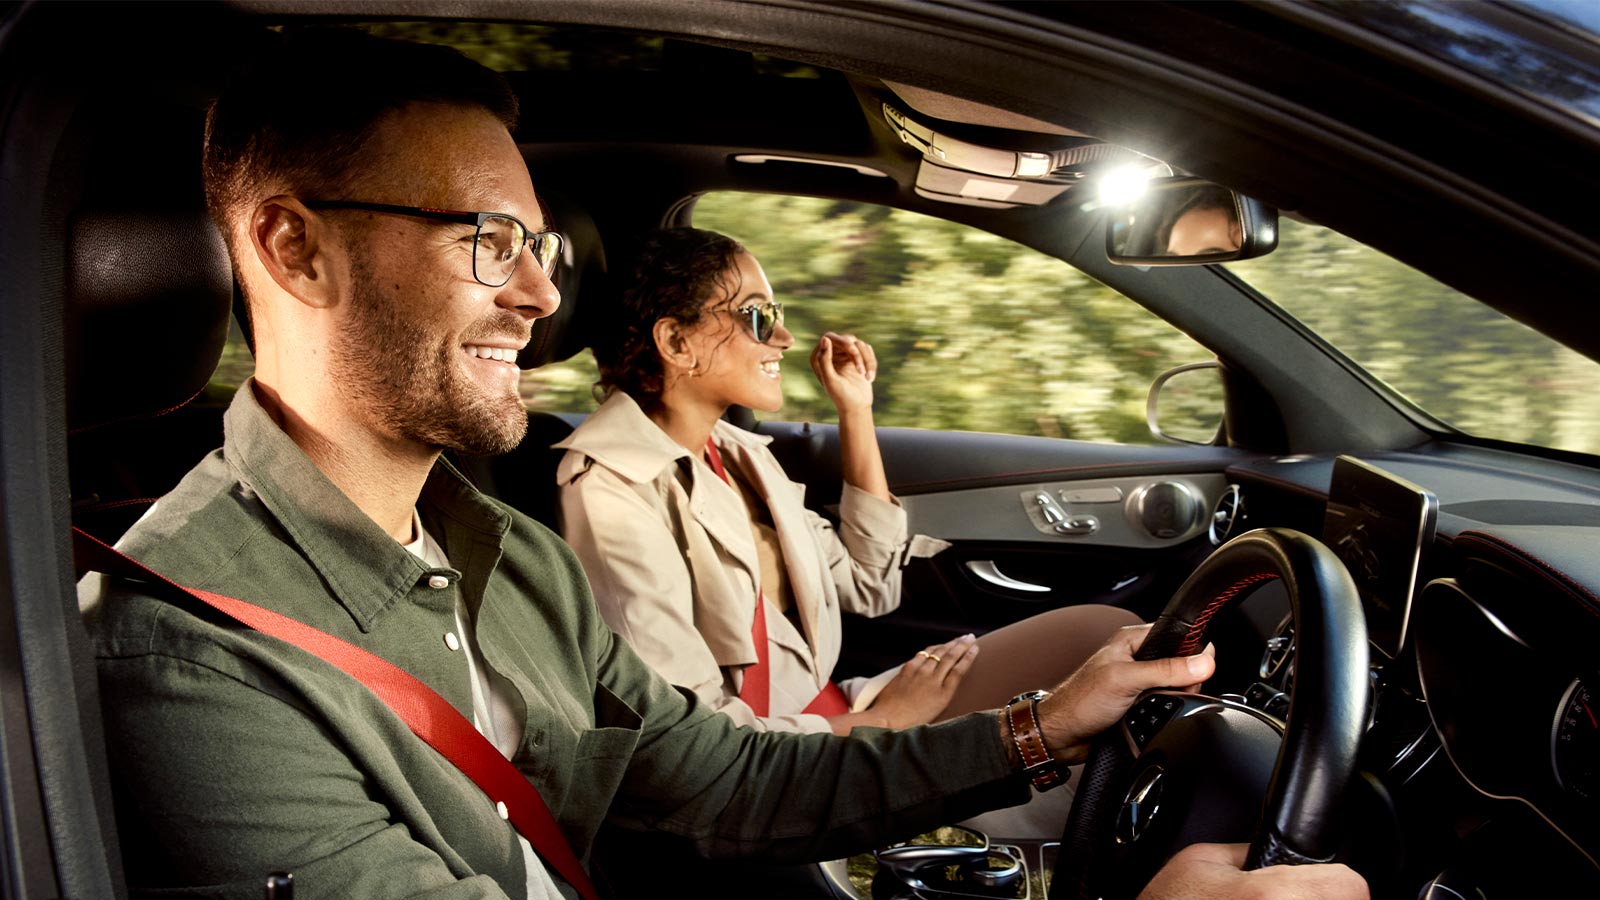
x=386, y=330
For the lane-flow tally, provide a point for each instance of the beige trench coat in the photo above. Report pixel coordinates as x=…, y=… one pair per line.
x=674, y=565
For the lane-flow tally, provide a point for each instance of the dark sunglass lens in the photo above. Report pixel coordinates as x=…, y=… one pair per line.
x=771, y=318
x=764, y=320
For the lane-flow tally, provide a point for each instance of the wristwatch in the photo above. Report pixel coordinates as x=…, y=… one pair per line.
x=1022, y=713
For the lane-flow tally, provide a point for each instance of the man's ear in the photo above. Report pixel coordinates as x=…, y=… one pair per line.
x=292, y=243
x=672, y=342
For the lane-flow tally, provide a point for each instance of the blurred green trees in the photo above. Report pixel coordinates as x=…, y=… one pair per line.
x=972, y=332
x=1449, y=354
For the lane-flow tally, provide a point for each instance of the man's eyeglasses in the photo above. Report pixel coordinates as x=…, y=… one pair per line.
x=762, y=318
x=496, y=245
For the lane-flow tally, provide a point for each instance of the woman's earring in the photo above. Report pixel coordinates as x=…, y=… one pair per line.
x=694, y=368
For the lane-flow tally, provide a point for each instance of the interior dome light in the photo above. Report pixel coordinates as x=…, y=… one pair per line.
x=1125, y=184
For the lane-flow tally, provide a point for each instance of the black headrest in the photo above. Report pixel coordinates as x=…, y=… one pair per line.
x=581, y=273
x=148, y=282
x=147, y=314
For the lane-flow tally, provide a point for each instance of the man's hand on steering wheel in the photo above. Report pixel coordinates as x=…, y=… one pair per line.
x=1216, y=870
x=1096, y=696
x=1202, y=770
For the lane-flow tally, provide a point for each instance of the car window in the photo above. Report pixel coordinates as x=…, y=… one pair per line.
x=1454, y=357
x=236, y=364
x=972, y=331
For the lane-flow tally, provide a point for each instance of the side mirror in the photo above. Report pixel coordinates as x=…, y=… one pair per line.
x=1182, y=221
x=1185, y=404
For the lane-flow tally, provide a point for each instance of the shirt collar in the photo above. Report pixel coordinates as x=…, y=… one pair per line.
x=367, y=570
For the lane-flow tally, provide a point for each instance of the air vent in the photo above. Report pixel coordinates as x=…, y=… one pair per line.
x=1227, y=516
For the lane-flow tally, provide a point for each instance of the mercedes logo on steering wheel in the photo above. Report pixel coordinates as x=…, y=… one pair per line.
x=1141, y=805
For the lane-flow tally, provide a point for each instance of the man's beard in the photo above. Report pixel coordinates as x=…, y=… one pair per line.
x=416, y=388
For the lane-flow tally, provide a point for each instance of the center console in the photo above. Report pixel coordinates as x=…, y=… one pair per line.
x=952, y=863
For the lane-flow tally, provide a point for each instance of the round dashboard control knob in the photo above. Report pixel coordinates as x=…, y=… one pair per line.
x=1166, y=509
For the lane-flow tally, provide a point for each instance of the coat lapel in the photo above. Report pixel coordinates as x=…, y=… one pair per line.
x=717, y=507
x=786, y=500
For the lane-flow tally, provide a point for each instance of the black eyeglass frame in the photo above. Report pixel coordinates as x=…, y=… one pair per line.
x=753, y=312
x=460, y=217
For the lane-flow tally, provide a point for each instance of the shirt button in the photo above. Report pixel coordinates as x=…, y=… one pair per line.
x=500, y=808
x=451, y=641
x=438, y=582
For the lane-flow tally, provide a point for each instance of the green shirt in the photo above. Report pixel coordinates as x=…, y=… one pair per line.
x=235, y=755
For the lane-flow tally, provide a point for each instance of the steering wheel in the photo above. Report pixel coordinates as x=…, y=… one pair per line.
x=1183, y=767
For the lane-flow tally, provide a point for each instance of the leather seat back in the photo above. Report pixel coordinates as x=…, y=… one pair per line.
x=149, y=289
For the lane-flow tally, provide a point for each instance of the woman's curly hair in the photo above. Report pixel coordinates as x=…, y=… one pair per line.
x=671, y=276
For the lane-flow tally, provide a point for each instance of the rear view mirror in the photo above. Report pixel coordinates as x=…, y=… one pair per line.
x=1184, y=221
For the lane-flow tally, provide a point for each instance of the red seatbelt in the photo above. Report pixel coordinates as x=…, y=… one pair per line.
x=756, y=691
x=429, y=715
x=830, y=701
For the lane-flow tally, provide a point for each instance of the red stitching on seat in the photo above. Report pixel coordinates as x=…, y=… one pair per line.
x=132, y=501
x=83, y=429
x=1197, y=631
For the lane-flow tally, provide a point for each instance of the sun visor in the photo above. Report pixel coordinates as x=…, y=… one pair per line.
x=956, y=170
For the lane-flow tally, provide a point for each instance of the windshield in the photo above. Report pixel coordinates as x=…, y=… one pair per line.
x=1454, y=357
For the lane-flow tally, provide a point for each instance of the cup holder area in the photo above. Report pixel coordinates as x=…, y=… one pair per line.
x=952, y=863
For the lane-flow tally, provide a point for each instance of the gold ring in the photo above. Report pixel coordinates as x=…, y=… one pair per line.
x=928, y=655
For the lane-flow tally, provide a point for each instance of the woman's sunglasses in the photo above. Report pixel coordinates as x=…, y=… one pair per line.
x=763, y=318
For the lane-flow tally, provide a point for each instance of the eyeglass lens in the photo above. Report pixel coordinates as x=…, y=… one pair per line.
x=765, y=319
x=499, y=249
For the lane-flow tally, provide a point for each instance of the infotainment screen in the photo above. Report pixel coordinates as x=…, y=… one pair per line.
x=1380, y=525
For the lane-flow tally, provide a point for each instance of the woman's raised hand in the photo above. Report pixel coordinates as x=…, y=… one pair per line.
x=924, y=685
x=846, y=366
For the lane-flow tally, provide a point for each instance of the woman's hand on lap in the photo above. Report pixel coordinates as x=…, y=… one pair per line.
x=924, y=685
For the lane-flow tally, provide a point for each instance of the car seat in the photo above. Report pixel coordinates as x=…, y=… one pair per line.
x=145, y=288
x=148, y=293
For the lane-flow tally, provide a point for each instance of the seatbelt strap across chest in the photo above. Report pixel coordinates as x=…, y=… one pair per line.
x=428, y=715
x=756, y=691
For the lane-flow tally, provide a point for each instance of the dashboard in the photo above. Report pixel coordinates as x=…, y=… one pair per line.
x=1481, y=766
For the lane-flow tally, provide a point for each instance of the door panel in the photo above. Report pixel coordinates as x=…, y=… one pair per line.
x=982, y=493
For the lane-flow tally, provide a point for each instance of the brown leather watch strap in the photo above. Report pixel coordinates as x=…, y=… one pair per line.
x=1022, y=714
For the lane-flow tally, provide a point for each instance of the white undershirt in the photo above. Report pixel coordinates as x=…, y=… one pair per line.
x=495, y=705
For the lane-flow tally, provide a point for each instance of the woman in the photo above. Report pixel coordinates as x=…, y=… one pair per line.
x=687, y=526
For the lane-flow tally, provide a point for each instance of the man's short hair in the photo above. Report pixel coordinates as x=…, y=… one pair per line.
x=295, y=118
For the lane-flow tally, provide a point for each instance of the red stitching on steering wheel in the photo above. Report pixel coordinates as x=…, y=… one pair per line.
x=1197, y=631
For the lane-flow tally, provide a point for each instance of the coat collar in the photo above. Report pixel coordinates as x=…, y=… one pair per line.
x=622, y=438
